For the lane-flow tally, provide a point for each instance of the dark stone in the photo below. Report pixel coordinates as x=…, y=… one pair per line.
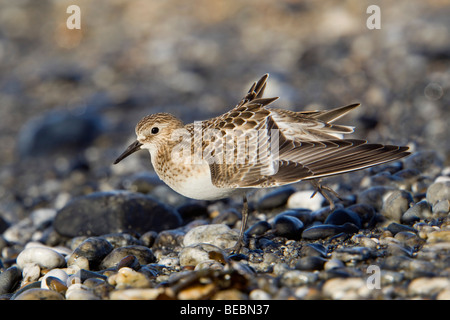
x=228, y=217
x=321, y=231
x=275, y=199
x=258, y=229
x=310, y=263
x=111, y=212
x=121, y=239
x=9, y=279
x=395, y=228
x=366, y=213
x=94, y=249
x=143, y=255
x=341, y=216
x=314, y=249
x=288, y=226
x=58, y=132
x=304, y=215
x=192, y=211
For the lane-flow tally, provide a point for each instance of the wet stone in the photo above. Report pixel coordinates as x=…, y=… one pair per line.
x=304, y=215
x=287, y=226
x=321, y=231
x=342, y=216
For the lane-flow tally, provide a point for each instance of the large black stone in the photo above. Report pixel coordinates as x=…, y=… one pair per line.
x=116, y=211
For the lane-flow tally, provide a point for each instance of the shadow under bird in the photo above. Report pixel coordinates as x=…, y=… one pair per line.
x=254, y=145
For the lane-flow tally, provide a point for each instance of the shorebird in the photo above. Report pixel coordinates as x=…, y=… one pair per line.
x=254, y=145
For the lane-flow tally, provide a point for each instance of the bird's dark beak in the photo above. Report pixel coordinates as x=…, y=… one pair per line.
x=135, y=146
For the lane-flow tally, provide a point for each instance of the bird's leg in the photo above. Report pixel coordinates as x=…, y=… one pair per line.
x=322, y=190
x=240, y=241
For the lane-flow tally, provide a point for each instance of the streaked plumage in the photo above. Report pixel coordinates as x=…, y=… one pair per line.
x=308, y=147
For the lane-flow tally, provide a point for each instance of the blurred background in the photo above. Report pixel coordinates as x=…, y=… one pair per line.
x=69, y=99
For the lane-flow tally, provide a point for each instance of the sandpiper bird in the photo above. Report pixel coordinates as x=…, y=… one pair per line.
x=254, y=146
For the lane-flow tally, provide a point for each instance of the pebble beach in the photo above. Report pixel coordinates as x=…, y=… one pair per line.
x=75, y=227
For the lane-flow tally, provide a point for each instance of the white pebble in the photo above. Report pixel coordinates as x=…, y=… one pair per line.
x=259, y=294
x=80, y=292
x=346, y=289
x=31, y=272
x=44, y=257
x=302, y=199
x=428, y=286
x=57, y=273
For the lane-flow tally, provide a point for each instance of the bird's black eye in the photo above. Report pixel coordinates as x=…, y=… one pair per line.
x=155, y=130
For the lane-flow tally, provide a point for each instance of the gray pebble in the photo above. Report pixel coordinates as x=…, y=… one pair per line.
x=426, y=162
x=441, y=208
x=396, y=204
x=420, y=210
x=374, y=196
x=438, y=191
x=9, y=279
